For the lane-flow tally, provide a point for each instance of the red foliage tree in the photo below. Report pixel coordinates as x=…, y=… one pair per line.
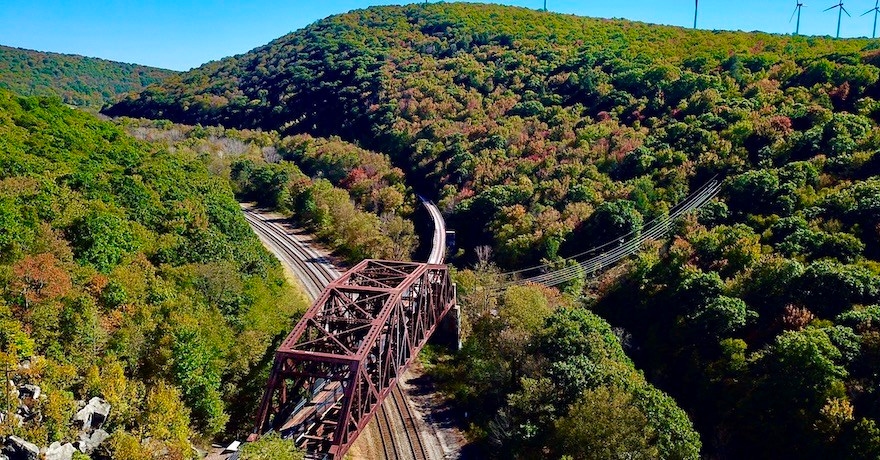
x=39, y=277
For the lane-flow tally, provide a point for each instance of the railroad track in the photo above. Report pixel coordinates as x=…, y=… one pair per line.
x=415, y=443
x=385, y=430
x=312, y=268
x=409, y=446
x=438, y=241
x=315, y=272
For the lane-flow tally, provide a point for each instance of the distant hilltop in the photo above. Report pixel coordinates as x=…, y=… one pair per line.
x=78, y=80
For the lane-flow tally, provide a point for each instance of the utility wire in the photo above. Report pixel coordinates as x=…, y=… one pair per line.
x=672, y=211
x=627, y=245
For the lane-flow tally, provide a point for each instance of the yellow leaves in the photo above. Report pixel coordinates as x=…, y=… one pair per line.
x=167, y=418
x=58, y=408
x=110, y=383
x=126, y=446
x=833, y=416
x=526, y=307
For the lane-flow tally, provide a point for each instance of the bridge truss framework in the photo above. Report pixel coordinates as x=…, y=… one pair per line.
x=348, y=351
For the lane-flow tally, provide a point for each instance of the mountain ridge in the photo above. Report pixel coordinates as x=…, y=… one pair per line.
x=77, y=80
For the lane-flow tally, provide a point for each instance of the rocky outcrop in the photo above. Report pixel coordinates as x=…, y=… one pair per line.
x=88, y=443
x=93, y=415
x=16, y=448
x=58, y=451
x=29, y=391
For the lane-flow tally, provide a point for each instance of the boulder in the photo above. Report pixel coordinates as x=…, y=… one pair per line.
x=29, y=391
x=27, y=414
x=24, y=411
x=93, y=415
x=58, y=451
x=88, y=443
x=16, y=448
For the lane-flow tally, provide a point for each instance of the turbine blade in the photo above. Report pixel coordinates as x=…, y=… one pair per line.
x=830, y=8
x=792, y=15
x=844, y=10
x=866, y=12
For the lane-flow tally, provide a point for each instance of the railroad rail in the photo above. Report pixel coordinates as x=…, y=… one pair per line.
x=313, y=269
x=438, y=243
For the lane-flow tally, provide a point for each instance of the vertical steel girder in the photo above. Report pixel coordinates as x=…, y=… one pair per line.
x=342, y=359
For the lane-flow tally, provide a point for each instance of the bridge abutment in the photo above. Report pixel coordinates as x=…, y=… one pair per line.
x=448, y=332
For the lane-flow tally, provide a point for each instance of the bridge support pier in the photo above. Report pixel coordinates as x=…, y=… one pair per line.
x=448, y=333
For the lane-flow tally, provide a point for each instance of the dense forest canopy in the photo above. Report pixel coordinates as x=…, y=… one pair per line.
x=128, y=274
x=77, y=80
x=543, y=135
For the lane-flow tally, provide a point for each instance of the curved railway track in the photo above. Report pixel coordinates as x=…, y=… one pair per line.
x=313, y=269
x=438, y=242
x=395, y=422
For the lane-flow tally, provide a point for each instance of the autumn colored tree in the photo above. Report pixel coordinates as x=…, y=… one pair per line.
x=40, y=277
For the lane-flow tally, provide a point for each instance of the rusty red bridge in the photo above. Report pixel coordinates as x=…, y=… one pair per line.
x=345, y=355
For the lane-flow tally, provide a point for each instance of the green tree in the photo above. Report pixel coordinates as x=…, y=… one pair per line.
x=194, y=367
x=166, y=418
x=101, y=239
x=602, y=424
x=271, y=447
x=611, y=221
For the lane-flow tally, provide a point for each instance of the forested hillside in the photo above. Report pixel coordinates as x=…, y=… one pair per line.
x=77, y=80
x=352, y=199
x=128, y=274
x=543, y=135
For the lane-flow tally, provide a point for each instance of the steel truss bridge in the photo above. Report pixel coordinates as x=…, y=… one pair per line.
x=346, y=354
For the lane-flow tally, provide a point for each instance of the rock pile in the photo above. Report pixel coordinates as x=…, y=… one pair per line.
x=58, y=451
x=89, y=419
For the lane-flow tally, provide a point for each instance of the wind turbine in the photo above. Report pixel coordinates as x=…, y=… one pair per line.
x=839, y=14
x=545, y=5
x=876, y=10
x=797, y=11
x=697, y=7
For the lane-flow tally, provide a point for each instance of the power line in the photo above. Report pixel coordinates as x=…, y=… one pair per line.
x=672, y=211
x=627, y=245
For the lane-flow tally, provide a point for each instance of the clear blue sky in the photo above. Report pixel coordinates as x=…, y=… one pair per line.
x=180, y=34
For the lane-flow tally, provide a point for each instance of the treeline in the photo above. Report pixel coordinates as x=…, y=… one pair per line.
x=77, y=80
x=128, y=273
x=326, y=210
x=352, y=199
x=764, y=325
x=544, y=135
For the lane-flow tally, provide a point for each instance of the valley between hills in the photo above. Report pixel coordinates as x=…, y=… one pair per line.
x=140, y=313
